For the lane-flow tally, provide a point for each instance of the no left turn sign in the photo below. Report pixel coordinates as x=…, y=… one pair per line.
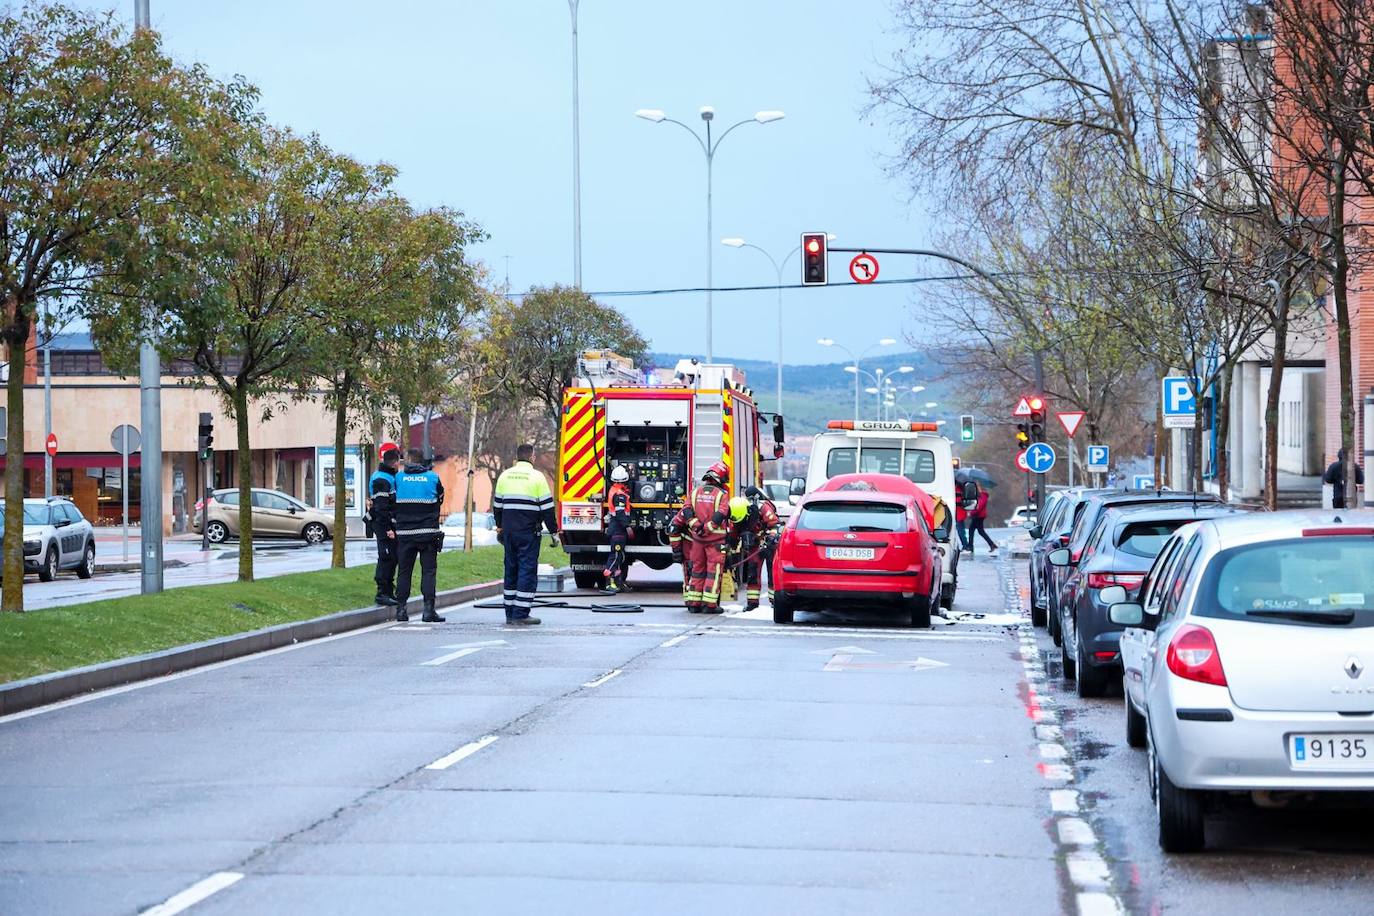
x=864, y=268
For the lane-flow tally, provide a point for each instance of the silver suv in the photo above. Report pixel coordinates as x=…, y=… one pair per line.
x=56, y=537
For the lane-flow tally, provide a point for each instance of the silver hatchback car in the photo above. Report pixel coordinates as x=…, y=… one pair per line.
x=1246, y=662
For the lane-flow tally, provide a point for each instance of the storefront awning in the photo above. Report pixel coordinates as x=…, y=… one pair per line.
x=34, y=460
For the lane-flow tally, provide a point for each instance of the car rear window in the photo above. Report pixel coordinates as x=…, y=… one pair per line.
x=852, y=517
x=917, y=465
x=1146, y=539
x=1318, y=580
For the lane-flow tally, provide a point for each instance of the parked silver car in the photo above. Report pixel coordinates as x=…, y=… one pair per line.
x=1246, y=662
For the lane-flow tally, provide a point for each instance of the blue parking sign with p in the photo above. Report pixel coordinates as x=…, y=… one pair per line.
x=1178, y=395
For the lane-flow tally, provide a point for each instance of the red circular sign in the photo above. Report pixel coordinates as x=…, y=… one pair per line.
x=1021, y=462
x=863, y=268
x=52, y=444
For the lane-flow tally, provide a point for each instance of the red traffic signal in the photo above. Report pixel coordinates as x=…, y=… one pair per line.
x=814, y=246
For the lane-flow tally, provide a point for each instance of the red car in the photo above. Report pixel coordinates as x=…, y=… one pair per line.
x=859, y=544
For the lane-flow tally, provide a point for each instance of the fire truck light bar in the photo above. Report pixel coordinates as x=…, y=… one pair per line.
x=883, y=426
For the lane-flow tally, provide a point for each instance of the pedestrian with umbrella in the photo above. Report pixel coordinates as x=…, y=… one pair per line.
x=974, y=484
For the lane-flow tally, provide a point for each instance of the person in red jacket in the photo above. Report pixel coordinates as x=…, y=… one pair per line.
x=705, y=546
x=977, y=519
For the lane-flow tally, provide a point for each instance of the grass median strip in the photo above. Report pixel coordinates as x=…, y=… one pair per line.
x=99, y=631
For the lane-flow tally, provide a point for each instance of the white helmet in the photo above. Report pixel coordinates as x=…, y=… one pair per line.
x=620, y=474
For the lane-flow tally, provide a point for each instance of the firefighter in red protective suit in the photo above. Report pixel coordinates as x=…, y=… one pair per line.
x=617, y=529
x=754, y=525
x=677, y=534
x=705, y=546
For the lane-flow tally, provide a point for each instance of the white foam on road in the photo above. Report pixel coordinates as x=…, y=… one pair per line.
x=194, y=894
x=464, y=752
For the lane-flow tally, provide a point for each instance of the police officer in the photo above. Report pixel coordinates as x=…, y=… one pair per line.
x=381, y=494
x=521, y=502
x=617, y=529
x=419, y=496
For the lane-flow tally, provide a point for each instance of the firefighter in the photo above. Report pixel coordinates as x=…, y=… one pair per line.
x=677, y=531
x=381, y=519
x=617, y=530
x=419, y=496
x=521, y=503
x=754, y=525
x=706, y=539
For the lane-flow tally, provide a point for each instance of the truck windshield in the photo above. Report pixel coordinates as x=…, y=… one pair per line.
x=916, y=465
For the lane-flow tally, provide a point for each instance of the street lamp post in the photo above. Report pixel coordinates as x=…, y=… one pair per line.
x=830, y=342
x=577, y=157
x=150, y=418
x=708, y=147
x=48, y=488
x=778, y=269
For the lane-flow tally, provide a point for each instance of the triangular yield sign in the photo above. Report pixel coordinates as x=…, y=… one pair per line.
x=1022, y=408
x=1071, y=420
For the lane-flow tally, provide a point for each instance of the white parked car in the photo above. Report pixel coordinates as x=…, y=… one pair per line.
x=779, y=492
x=483, y=529
x=56, y=537
x=1021, y=517
x=1246, y=662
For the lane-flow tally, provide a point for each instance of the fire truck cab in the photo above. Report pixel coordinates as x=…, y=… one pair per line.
x=666, y=431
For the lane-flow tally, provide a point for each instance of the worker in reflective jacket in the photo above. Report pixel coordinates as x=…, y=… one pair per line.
x=705, y=547
x=677, y=534
x=754, y=524
x=522, y=502
x=419, y=497
x=617, y=529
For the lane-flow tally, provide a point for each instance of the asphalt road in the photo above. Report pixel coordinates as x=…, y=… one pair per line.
x=655, y=762
x=1300, y=860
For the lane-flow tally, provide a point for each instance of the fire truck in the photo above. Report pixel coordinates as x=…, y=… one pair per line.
x=666, y=431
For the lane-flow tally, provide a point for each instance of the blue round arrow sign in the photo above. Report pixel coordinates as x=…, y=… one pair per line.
x=1040, y=457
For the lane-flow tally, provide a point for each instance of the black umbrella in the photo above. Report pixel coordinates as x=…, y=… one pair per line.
x=976, y=474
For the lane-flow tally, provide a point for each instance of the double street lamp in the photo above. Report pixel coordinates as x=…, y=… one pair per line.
x=708, y=148
x=830, y=342
x=778, y=269
x=881, y=382
x=894, y=394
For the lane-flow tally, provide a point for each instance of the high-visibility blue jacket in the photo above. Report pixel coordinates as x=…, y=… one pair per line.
x=381, y=487
x=419, y=497
x=522, y=500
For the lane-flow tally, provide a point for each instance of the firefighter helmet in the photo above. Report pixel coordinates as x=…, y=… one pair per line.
x=739, y=508
x=619, y=474
x=718, y=472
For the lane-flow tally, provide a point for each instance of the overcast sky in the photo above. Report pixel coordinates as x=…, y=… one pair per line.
x=472, y=101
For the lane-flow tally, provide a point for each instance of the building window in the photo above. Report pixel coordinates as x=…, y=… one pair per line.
x=63, y=479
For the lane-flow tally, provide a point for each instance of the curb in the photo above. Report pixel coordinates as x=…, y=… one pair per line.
x=17, y=696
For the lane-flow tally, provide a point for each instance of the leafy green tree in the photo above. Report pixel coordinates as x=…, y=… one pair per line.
x=103, y=137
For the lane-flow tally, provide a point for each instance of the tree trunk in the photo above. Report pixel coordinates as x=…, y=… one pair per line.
x=1223, y=431
x=341, y=393
x=12, y=592
x=245, y=472
x=1195, y=437
x=406, y=407
x=1271, y=399
x=1340, y=289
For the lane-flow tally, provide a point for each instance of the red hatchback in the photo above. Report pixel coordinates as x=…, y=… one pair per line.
x=857, y=547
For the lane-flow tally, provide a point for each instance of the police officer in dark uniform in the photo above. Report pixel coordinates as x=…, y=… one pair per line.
x=419, y=496
x=381, y=494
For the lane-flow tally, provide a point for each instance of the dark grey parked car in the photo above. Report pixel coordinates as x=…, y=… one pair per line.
x=1061, y=511
x=1119, y=551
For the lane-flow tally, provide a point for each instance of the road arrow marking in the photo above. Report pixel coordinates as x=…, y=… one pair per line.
x=849, y=650
x=847, y=663
x=464, y=651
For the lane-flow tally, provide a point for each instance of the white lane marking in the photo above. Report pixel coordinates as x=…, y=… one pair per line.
x=1049, y=732
x=847, y=663
x=1088, y=869
x=467, y=750
x=1058, y=772
x=676, y=640
x=1053, y=751
x=604, y=678
x=1064, y=801
x=1074, y=831
x=192, y=672
x=194, y=894
x=782, y=631
x=464, y=650
x=1098, y=904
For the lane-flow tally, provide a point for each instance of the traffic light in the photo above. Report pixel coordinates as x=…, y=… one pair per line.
x=814, y=250
x=1022, y=435
x=1037, y=418
x=206, y=437
x=966, y=427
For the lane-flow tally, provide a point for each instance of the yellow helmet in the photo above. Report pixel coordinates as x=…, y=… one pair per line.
x=739, y=508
